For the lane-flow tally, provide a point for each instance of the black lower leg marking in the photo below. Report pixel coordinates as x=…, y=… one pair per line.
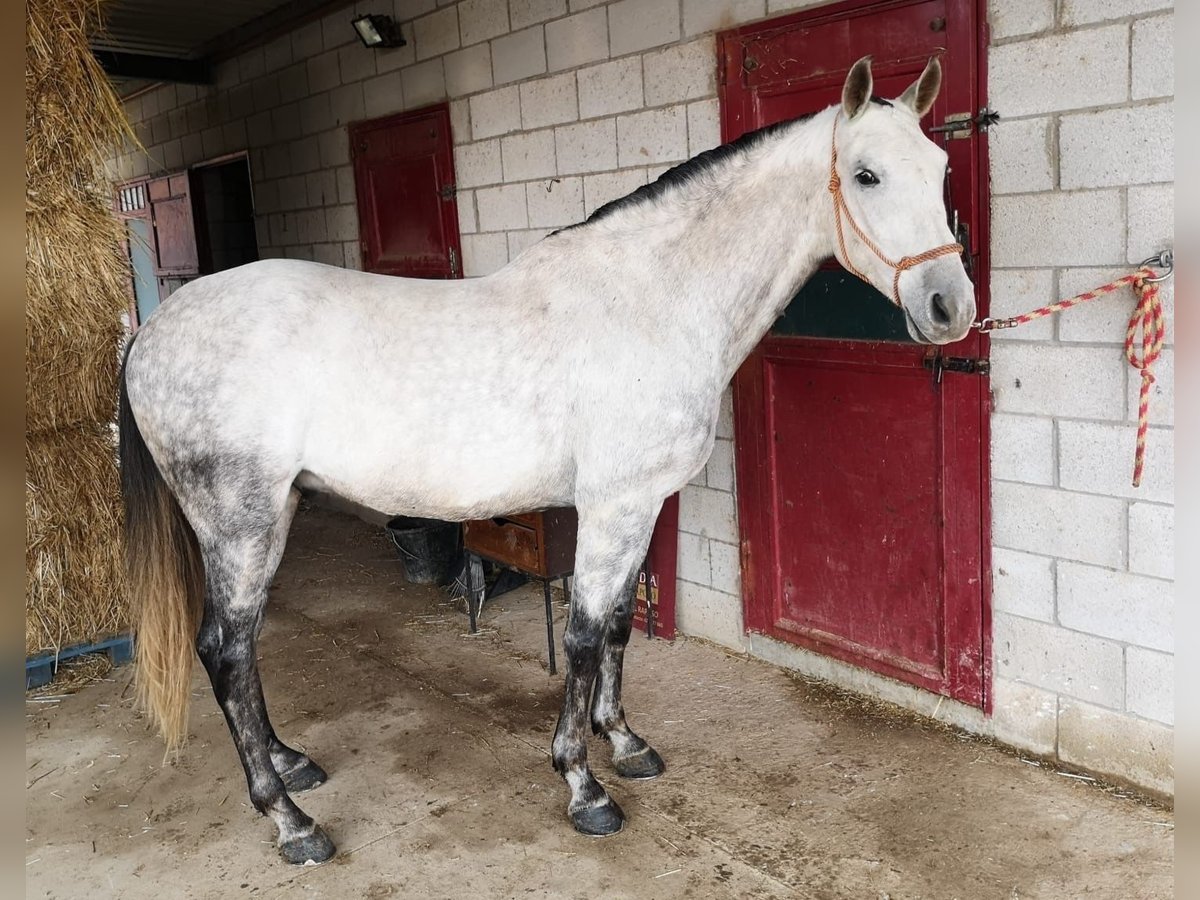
x=632, y=757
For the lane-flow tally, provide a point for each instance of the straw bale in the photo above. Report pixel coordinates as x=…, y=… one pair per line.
x=75, y=269
x=75, y=274
x=73, y=550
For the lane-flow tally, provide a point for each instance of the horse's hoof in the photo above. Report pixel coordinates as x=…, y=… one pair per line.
x=598, y=821
x=310, y=850
x=304, y=778
x=643, y=765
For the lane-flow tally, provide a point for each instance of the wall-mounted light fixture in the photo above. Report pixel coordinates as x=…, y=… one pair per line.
x=377, y=31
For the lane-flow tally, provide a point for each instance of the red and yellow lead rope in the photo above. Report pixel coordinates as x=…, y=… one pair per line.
x=1146, y=327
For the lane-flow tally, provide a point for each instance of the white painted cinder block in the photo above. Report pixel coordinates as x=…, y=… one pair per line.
x=708, y=513
x=1152, y=539
x=1014, y=291
x=528, y=155
x=680, y=73
x=480, y=20
x=383, y=95
x=694, y=561
x=1154, y=57
x=496, y=112
x=483, y=253
x=704, y=126
x=478, y=164
x=726, y=568
x=468, y=70
x=555, y=202
x=705, y=613
x=1150, y=684
x=1024, y=716
x=424, y=83
x=1023, y=448
x=703, y=16
x=1084, y=12
x=1058, y=523
x=586, y=147
x=1023, y=584
x=600, y=189
x=1081, y=382
x=719, y=469
x=1115, y=147
x=1073, y=70
x=1060, y=660
x=1151, y=222
x=1021, y=156
x=549, y=101
x=1013, y=18
x=1108, y=742
x=465, y=201
x=577, y=40
x=656, y=136
x=1080, y=228
x=436, y=33
x=460, y=121
x=1098, y=458
x=610, y=87
x=523, y=13
x=502, y=208
x=640, y=24
x=519, y=55
x=1130, y=608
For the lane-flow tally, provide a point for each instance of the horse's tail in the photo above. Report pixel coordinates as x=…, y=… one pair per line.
x=165, y=577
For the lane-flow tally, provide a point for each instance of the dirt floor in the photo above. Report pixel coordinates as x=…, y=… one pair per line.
x=437, y=743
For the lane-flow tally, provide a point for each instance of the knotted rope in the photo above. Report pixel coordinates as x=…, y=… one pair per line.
x=1146, y=328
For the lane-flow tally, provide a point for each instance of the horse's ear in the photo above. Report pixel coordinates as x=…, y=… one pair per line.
x=856, y=92
x=921, y=93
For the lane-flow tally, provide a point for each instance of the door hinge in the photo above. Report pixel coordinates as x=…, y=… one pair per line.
x=453, y=263
x=965, y=365
x=448, y=191
x=958, y=126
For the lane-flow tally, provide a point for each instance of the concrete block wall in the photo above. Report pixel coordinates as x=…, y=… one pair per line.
x=1082, y=169
x=558, y=106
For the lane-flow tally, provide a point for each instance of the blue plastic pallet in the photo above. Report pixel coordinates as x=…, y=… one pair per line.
x=40, y=669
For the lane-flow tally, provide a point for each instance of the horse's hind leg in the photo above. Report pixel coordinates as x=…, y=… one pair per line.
x=239, y=562
x=299, y=773
x=612, y=541
x=632, y=757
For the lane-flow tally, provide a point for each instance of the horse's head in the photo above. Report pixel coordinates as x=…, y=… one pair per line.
x=891, y=227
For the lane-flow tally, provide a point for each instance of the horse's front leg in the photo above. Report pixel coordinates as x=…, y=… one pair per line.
x=632, y=757
x=612, y=541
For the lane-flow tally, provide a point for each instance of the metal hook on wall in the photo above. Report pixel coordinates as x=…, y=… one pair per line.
x=1165, y=260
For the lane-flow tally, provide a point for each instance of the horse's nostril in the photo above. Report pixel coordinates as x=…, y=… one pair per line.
x=941, y=315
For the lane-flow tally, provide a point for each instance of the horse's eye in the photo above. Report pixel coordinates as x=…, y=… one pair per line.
x=866, y=177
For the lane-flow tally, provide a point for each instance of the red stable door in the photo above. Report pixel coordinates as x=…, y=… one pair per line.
x=862, y=477
x=404, y=181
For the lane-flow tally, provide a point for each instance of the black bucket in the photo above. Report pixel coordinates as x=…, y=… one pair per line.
x=428, y=547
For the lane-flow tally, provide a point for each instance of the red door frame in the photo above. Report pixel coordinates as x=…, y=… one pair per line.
x=971, y=684
x=359, y=131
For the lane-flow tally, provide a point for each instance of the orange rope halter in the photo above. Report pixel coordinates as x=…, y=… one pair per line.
x=840, y=208
x=1147, y=318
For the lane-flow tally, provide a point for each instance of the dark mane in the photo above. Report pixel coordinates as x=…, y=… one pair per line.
x=692, y=169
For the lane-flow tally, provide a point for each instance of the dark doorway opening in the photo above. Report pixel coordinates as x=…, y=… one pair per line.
x=223, y=199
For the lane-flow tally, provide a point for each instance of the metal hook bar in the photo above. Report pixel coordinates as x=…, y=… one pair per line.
x=1164, y=260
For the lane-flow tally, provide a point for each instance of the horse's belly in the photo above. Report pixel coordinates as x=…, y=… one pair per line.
x=441, y=476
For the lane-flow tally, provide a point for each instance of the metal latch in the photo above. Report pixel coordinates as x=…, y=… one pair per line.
x=453, y=263
x=965, y=365
x=448, y=191
x=958, y=125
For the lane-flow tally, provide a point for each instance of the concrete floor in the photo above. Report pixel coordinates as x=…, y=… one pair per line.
x=440, y=782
